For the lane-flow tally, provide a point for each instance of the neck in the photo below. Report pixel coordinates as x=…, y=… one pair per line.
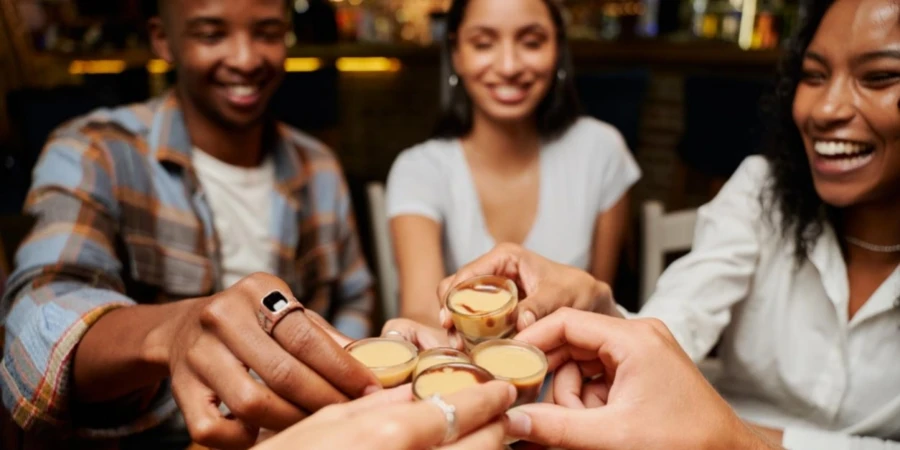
x=507, y=146
x=238, y=147
x=877, y=224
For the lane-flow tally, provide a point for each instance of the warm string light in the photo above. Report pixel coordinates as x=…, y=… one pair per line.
x=159, y=66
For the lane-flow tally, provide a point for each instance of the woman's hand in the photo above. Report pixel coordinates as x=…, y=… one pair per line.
x=422, y=336
x=545, y=285
x=391, y=420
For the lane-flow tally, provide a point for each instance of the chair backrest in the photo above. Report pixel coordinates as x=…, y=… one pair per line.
x=384, y=252
x=663, y=233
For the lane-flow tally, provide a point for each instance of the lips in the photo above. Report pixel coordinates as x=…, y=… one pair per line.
x=839, y=157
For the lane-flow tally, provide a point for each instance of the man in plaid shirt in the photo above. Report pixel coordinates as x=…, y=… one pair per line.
x=137, y=294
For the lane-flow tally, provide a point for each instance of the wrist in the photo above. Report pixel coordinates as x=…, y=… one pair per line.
x=156, y=347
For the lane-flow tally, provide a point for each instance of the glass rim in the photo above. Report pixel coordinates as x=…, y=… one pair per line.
x=545, y=365
x=508, y=284
x=414, y=351
x=467, y=365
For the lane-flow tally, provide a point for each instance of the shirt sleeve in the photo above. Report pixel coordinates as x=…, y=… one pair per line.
x=415, y=185
x=695, y=294
x=66, y=278
x=355, y=295
x=809, y=439
x=618, y=171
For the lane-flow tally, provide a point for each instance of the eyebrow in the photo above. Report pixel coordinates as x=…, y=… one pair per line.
x=879, y=54
x=815, y=57
x=216, y=21
x=202, y=21
x=530, y=28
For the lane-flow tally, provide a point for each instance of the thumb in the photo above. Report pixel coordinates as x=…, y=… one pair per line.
x=557, y=426
x=535, y=307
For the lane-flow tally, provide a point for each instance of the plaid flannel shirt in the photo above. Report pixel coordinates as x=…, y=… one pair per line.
x=121, y=220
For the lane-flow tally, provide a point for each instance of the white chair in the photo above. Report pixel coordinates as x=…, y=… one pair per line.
x=663, y=233
x=384, y=252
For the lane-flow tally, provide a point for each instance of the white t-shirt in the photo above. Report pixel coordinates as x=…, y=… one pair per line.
x=582, y=174
x=241, y=201
x=791, y=358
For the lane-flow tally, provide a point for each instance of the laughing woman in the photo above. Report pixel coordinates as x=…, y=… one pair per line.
x=511, y=160
x=802, y=285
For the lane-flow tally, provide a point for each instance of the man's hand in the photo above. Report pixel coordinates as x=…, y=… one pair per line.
x=624, y=384
x=210, y=346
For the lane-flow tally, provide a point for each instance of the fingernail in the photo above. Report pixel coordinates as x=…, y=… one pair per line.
x=372, y=389
x=442, y=316
x=528, y=319
x=519, y=423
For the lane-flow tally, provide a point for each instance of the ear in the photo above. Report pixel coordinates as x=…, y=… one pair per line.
x=159, y=40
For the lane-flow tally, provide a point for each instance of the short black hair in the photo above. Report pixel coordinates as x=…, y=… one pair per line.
x=557, y=111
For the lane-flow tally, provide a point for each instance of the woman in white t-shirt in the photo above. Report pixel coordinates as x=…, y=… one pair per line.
x=511, y=160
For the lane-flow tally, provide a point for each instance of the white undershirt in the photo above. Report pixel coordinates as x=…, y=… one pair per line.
x=241, y=201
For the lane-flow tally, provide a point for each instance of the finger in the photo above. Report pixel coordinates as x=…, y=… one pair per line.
x=340, y=338
x=583, y=330
x=573, y=429
x=501, y=260
x=205, y=423
x=309, y=343
x=595, y=394
x=475, y=407
x=246, y=398
x=489, y=437
x=567, y=385
x=561, y=355
x=283, y=373
x=422, y=336
x=345, y=411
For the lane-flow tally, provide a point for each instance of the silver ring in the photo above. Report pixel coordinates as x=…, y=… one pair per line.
x=450, y=414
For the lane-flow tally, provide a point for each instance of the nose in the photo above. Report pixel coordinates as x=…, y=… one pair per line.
x=242, y=56
x=508, y=62
x=835, y=105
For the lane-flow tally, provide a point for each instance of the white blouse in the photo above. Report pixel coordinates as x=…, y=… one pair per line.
x=792, y=359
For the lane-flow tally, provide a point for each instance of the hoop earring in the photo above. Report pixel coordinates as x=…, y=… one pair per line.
x=453, y=80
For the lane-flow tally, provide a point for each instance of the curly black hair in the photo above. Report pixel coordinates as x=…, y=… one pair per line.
x=791, y=191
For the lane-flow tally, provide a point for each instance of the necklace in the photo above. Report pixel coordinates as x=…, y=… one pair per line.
x=873, y=247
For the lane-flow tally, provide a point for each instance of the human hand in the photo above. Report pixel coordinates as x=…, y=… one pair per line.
x=390, y=420
x=545, y=285
x=645, y=392
x=209, y=347
x=422, y=336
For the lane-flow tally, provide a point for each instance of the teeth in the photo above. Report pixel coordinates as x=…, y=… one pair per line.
x=834, y=148
x=242, y=90
x=507, y=91
x=848, y=164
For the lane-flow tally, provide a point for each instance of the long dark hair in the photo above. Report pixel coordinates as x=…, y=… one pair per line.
x=791, y=190
x=556, y=112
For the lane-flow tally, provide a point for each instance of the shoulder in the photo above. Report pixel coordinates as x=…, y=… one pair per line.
x=434, y=152
x=752, y=175
x=597, y=133
x=307, y=147
x=108, y=136
x=424, y=161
